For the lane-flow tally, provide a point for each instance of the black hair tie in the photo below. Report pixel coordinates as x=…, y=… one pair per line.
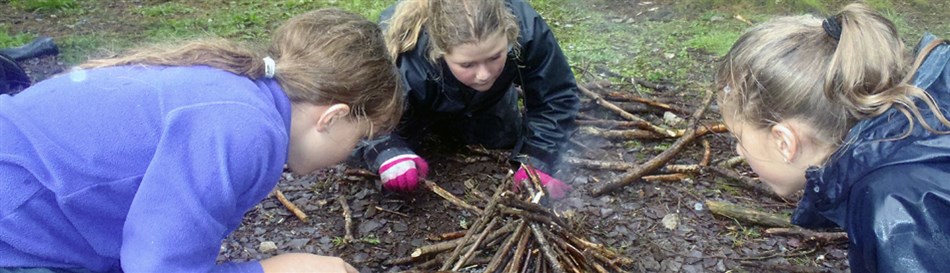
x=832, y=27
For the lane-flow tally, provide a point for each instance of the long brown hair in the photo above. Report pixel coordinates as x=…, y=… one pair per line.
x=791, y=67
x=449, y=23
x=323, y=56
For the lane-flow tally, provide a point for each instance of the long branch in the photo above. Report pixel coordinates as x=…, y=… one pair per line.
x=606, y=104
x=664, y=157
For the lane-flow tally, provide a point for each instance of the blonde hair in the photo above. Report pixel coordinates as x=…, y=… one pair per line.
x=322, y=57
x=449, y=23
x=791, y=67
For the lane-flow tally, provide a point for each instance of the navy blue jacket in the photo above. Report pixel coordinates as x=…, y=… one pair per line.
x=891, y=196
x=539, y=67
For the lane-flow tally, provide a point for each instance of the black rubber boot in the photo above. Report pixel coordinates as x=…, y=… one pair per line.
x=12, y=77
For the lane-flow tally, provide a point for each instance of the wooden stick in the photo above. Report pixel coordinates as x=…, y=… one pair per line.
x=618, y=96
x=534, y=227
x=470, y=185
x=685, y=169
x=446, y=236
x=598, y=248
x=546, y=248
x=661, y=159
x=391, y=211
x=809, y=235
x=771, y=267
x=488, y=213
x=478, y=241
x=633, y=108
x=746, y=182
x=630, y=134
x=606, y=104
x=448, y=196
x=576, y=254
x=502, y=253
x=707, y=153
x=654, y=86
x=611, y=124
x=673, y=177
x=533, y=208
x=732, y=162
x=519, y=253
x=347, y=219
x=449, y=245
x=290, y=206
x=360, y=172
x=747, y=215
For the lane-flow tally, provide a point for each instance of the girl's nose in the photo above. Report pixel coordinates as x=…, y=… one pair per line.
x=482, y=74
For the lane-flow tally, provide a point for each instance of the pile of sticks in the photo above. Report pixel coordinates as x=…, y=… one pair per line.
x=515, y=233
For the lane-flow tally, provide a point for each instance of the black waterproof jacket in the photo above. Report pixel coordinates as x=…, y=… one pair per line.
x=891, y=196
x=434, y=95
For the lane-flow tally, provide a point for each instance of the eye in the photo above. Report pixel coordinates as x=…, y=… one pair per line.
x=496, y=57
x=466, y=65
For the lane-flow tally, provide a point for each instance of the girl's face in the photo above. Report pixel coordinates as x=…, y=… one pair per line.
x=762, y=149
x=478, y=65
x=322, y=136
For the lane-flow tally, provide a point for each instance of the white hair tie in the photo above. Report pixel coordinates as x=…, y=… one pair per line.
x=269, y=67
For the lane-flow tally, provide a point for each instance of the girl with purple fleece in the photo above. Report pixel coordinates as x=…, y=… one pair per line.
x=144, y=163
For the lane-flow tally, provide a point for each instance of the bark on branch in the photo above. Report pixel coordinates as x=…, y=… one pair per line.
x=664, y=157
x=748, y=215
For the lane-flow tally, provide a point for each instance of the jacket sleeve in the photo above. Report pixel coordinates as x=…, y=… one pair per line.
x=212, y=164
x=550, y=89
x=899, y=219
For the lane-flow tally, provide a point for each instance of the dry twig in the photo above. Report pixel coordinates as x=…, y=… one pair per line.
x=600, y=100
x=448, y=196
x=290, y=206
x=347, y=219
x=664, y=157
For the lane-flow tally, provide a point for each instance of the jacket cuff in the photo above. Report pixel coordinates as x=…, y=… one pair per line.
x=538, y=158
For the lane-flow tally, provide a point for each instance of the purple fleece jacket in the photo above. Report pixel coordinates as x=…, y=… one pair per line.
x=136, y=169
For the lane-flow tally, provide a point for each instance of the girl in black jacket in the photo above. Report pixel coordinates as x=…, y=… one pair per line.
x=460, y=61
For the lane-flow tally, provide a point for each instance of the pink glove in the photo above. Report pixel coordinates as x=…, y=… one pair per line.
x=556, y=189
x=403, y=172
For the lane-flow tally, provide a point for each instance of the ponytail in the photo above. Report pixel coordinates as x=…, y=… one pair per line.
x=869, y=71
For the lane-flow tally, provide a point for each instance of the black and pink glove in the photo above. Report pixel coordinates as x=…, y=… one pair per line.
x=402, y=173
x=555, y=188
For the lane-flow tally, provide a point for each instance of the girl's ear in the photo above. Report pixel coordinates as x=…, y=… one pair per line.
x=331, y=114
x=786, y=141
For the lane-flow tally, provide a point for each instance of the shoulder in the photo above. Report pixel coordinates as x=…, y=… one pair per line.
x=901, y=195
x=898, y=213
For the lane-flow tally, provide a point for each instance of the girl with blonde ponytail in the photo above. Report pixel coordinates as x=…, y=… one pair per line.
x=461, y=61
x=145, y=162
x=835, y=106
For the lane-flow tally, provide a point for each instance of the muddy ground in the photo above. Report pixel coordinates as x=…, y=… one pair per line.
x=629, y=221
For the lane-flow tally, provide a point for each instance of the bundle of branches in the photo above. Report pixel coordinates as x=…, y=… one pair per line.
x=516, y=233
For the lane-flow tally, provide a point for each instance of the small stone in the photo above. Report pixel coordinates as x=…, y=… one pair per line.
x=267, y=246
x=670, y=221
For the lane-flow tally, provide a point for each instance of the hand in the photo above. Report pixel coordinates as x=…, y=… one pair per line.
x=555, y=188
x=403, y=172
x=305, y=262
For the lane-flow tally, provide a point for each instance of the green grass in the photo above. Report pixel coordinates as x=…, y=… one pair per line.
x=12, y=40
x=44, y=5
x=680, y=50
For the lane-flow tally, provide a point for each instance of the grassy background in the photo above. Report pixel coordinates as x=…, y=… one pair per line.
x=597, y=37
